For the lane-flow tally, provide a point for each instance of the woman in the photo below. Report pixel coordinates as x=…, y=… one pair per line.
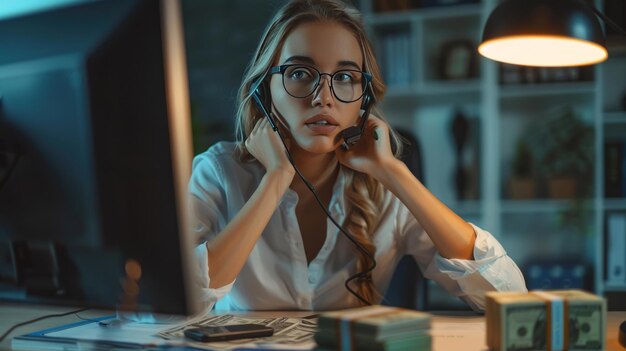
x=267, y=244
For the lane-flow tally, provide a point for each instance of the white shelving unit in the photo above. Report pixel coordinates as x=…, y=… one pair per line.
x=425, y=104
x=611, y=125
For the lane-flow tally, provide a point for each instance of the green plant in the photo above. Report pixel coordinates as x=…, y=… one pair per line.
x=563, y=145
x=522, y=160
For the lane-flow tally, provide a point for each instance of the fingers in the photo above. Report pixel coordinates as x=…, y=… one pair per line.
x=258, y=126
x=262, y=127
x=263, y=132
x=376, y=127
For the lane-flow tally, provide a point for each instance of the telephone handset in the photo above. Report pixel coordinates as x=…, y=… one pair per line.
x=350, y=135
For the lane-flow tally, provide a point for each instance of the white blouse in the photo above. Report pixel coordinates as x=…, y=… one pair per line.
x=276, y=275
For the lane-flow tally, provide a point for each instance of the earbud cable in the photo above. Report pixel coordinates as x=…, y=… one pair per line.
x=360, y=275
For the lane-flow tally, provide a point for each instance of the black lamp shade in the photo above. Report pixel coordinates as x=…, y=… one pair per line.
x=548, y=23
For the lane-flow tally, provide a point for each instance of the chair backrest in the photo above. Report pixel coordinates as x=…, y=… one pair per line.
x=412, y=154
x=408, y=286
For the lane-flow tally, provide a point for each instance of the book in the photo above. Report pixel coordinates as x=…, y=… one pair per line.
x=616, y=248
x=614, y=169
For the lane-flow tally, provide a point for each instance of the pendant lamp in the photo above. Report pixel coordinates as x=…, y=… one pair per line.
x=547, y=33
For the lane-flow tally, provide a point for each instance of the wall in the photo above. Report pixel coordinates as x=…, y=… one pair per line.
x=221, y=36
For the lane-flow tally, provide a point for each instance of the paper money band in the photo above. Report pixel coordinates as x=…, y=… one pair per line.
x=557, y=320
x=345, y=323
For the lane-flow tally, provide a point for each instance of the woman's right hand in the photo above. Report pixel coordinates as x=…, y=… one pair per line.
x=265, y=145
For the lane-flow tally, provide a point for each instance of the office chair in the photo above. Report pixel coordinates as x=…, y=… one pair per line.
x=408, y=287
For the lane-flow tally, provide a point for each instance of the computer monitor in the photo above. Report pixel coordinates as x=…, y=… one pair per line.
x=95, y=157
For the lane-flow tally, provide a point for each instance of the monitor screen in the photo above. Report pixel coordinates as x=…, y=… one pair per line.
x=95, y=156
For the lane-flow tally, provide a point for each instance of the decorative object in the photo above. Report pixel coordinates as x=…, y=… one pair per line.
x=557, y=274
x=522, y=185
x=514, y=74
x=437, y=3
x=552, y=33
x=394, y=5
x=563, y=147
x=460, y=128
x=457, y=60
x=562, y=187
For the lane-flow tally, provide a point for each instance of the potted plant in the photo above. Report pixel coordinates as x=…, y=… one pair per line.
x=522, y=185
x=563, y=145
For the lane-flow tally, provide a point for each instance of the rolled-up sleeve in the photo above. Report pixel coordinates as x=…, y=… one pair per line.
x=209, y=210
x=490, y=270
x=490, y=264
x=208, y=296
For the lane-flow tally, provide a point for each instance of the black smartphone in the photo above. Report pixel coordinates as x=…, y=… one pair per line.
x=228, y=332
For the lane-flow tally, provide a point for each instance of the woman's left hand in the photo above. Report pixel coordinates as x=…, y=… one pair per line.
x=372, y=152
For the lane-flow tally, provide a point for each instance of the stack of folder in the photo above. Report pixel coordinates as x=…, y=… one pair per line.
x=374, y=328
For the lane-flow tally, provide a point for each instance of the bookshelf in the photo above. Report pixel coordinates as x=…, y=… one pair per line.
x=501, y=106
x=611, y=128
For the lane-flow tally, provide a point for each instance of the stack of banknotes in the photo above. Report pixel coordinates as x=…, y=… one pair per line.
x=374, y=328
x=550, y=320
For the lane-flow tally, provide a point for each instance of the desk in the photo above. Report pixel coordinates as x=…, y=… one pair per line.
x=474, y=341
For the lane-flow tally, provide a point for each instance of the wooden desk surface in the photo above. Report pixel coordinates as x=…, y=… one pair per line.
x=11, y=314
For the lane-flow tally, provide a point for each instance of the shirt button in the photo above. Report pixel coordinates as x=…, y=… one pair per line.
x=312, y=280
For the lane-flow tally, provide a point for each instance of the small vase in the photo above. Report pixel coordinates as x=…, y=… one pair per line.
x=522, y=188
x=563, y=187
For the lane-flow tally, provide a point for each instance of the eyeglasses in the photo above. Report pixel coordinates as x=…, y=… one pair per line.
x=300, y=81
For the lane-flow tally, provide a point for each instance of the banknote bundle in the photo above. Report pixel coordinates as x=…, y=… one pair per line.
x=551, y=320
x=374, y=328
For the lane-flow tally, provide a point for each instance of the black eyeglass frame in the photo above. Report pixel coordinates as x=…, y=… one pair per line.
x=367, y=77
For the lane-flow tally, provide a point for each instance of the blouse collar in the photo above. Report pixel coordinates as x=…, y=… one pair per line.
x=337, y=201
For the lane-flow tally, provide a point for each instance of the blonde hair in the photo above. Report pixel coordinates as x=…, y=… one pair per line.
x=363, y=193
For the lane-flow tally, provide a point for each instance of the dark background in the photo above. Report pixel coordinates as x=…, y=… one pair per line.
x=221, y=36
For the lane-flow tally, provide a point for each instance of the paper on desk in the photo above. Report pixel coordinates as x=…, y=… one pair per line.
x=289, y=333
x=467, y=334
x=131, y=332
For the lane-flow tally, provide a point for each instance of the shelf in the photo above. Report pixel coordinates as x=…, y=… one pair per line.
x=541, y=90
x=431, y=13
x=617, y=52
x=445, y=12
x=450, y=87
x=502, y=113
x=532, y=206
x=467, y=207
x=390, y=18
x=614, y=117
x=616, y=46
x=612, y=287
x=446, y=90
x=616, y=204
